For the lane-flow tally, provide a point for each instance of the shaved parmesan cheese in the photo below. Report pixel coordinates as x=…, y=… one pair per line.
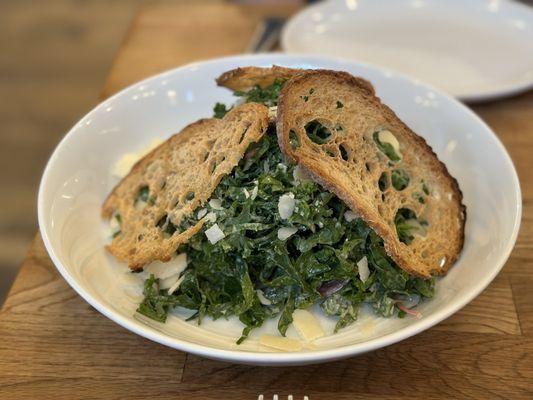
x=362, y=267
x=255, y=190
x=246, y=193
x=163, y=270
x=176, y=285
x=286, y=232
x=216, y=204
x=349, y=216
x=307, y=325
x=168, y=282
x=286, y=205
x=280, y=343
x=201, y=213
x=139, y=205
x=386, y=136
x=123, y=166
x=367, y=328
x=299, y=175
x=262, y=299
x=114, y=226
x=272, y=112
x=214, y=234
x=211, y=217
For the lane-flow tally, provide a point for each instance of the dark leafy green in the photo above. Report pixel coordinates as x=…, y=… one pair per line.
x=317, y=132
x=399, y=179
x=268, y=95
x=408, y=225
x=219, y=110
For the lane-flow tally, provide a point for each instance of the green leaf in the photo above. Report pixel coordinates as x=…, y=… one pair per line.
x=219, y=110
x=317, y=132
x=267, y=95
x=399, y=179
x=407, y=225
x=222, y=279
x=285, y=318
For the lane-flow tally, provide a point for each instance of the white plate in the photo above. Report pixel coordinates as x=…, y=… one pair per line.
x=474, y=50
x=78, y=178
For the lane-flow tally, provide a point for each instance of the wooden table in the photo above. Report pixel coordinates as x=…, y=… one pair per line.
x=54, y=345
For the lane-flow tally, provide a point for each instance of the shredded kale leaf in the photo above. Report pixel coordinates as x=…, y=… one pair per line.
x=267, y=96
x=219, y=110
x=316, y=265
x=408, y=225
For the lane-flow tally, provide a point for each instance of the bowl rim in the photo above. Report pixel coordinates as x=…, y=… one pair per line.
x=276, y=358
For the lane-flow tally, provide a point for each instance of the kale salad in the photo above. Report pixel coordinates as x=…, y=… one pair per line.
x=275, y=242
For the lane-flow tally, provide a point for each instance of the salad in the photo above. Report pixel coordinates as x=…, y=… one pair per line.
x=276, y=242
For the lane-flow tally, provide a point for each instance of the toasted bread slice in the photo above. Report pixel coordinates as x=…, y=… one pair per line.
x=246, y=78
x=156, y=200
x=339, y=132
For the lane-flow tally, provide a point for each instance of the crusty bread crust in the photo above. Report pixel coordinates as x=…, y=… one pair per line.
x=246, y=78
x=180, y=174
x=354, y=177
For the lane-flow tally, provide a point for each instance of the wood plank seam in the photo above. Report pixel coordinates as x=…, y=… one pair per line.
x=516, y=308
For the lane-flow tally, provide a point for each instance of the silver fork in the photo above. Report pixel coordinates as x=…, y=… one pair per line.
x=266, y=35
x=276, y=397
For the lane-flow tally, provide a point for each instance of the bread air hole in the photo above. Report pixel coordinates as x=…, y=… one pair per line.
x=293, y=140
x=143, y=198
x=188, y=196
x=161, y=221
x=370, y=166
x=425, y=188
x=408, y=225
x=243, y=133
x=330, y=153
x=383, y=181
x=399, y=179
x=388, y=144
x=165, y=225
x=344, y=152
x=317, y=132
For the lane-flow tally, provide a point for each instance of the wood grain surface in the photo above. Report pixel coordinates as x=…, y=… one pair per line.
x=55, y=346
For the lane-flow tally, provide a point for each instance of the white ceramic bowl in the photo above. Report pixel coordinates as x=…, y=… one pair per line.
x=78, y=177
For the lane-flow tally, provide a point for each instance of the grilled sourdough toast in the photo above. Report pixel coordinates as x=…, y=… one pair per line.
x=155, y=202
x=346, y=139
x=246, y=78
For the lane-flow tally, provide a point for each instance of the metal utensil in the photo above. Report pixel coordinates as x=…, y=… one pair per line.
x=266, y=35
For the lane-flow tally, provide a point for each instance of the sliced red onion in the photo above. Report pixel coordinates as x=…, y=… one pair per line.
x=409, y=301
x=330, y=287
x=415, y=313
